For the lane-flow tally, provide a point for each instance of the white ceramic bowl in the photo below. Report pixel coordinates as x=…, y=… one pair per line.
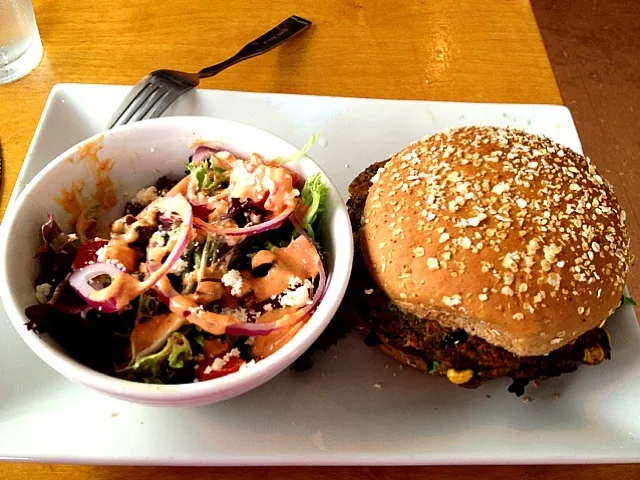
x=141, y=153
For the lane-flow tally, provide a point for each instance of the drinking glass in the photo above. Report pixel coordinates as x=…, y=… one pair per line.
x=20, y=44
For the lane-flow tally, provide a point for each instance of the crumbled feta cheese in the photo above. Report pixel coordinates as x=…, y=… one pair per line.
x=294, y=282
x=368, y=291
x=146, y=195
x=175, y=230
x=239, y=313
x=233, y=279
x=289, y=196
x=101, y=254
x=297, y=297
x=218, y=363
x=158, y=239
x=268, y=183
x=216, y=366
x=241, y=181
x=268, y=307
x=116, y=263
x=195, y=310
x=42, y=292
x=179, y=267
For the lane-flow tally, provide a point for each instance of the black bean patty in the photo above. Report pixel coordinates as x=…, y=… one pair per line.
x=426, y=344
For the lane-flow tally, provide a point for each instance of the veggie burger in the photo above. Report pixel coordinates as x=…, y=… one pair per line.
x=487, y=252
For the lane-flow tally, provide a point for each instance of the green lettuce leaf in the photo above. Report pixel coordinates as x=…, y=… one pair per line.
x=433, y=367
x=313, y=196
x=207, y=176
x=176, y=351
x=628, y=301
x=200, y=174
x=303, y=151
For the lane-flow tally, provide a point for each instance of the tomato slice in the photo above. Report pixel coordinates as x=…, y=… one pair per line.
x=233, y=365
x=87, y=253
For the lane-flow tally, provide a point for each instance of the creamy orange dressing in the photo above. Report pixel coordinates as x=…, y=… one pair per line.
x=157, y=253
x=151, y=335
x=72, y=198
x=208, y=292
x=146, y=218
x=262, y=257
x=298, y=259
x=214, y=272
x=105, y=191
x=120, y=225
x=164, y=285
x=71, y=201
x=214, y=347
x=86, y=221
x=264, y=346
x=123, y=289
x=213, y=323
x=219, y=209
x=256, y=179
x=179, y=188
x=228, y=300
x=280, y=193
x=119, y=250
x=88, y=151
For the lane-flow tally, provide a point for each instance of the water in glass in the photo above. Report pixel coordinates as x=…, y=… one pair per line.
x=20, y=45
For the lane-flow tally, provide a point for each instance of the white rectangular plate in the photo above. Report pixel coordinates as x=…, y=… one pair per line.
x=331, y=414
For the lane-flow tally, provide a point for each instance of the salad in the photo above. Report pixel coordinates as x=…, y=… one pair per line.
x=203, y=275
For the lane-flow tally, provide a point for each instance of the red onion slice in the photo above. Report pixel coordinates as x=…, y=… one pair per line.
x=275, y=222
x=251, y=329
x=261, y=329
x=204, y=152
x=79, y=281
x=182, y=207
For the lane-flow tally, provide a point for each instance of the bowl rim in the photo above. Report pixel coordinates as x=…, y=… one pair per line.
x=169, y=395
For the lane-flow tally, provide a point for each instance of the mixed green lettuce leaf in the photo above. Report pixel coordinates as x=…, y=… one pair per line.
x=175, y=353
x=314, y=195
x=207, y=176
x=303, y=151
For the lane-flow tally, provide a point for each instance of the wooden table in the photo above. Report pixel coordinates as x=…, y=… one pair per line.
x=436, y=50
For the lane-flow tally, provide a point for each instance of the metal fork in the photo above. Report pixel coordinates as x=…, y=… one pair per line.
x=152, y=95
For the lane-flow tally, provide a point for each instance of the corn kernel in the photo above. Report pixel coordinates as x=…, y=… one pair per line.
x=593, y=355
x=459, y=376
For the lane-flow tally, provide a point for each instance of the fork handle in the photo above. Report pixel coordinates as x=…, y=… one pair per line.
x=274, y=37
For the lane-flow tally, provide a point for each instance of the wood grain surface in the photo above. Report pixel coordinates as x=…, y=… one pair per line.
x=431, y=50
